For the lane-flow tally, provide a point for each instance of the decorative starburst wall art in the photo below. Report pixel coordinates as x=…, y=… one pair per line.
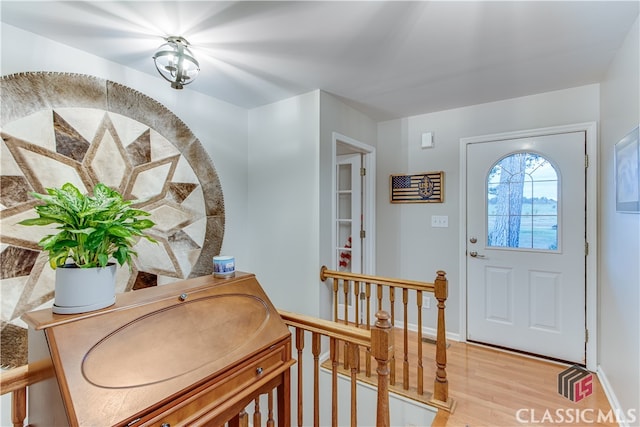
x=59, y=128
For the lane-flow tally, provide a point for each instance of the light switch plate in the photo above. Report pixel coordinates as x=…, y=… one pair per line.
x=439, y=221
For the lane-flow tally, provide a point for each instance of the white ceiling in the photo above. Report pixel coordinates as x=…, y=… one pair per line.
x=388, y=59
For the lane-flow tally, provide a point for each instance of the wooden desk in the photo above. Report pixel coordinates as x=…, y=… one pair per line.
x=194, y=352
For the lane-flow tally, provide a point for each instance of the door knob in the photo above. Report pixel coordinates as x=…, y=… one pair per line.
x=473, y=240
x=475, y=254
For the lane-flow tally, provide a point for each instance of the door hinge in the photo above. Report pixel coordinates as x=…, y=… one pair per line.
x=363, y=234
x=586, y=248
x=586, y=335
x=586, y=161
x=363, y=171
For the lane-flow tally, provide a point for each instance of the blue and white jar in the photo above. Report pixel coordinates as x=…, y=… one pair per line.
x=224, y=266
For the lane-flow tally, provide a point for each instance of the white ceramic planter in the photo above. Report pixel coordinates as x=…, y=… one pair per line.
x=79, y=290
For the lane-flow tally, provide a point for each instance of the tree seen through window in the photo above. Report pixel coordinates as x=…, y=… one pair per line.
x=522, y=203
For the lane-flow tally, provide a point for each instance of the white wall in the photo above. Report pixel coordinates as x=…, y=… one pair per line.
x=283, y=219
x=619, y=252
x=407, y=245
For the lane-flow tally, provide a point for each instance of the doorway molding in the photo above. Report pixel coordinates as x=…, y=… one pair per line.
x=369, y=163
x=591, y=266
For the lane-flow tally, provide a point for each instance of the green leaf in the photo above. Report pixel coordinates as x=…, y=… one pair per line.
x=58, y=258
x=120, y=231
x=132, y=213
x=103, y=260
x=149, y=238
x=60, y=245
x=38, y=221
x=121, y=255
x=143, y=224
x=95, y=239
x=72, y=190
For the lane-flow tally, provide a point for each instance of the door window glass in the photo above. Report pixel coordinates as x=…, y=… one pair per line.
x=522, y=203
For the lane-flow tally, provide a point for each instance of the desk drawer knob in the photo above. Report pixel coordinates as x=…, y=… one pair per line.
x=183, y=297
x=165, y=425
x=259, y=371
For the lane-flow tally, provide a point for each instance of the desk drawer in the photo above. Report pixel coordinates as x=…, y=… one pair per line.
x=227, y=389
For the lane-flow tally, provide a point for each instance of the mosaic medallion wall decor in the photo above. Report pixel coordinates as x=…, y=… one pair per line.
x=59, y=128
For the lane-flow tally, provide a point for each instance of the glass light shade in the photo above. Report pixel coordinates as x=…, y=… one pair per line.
x=175, y=62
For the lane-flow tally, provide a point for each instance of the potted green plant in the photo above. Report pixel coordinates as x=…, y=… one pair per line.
x=93, y=232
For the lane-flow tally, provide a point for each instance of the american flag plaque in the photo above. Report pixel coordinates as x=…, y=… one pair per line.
x=425, y=187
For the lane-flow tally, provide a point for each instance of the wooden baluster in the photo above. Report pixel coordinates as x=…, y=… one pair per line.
x=18, y=407
x=379, y=295
x=356, y=293
x=333, y=351
x=335, y=299
x=270, y=420
x=367, y=290
x=346, y=284
x=367, y=293
x=382, y=347
x=420, y=368
x=441, y=384
x=300, y=348
x=354, y=356
x=405, y=357
x=240, y=420
x=392, y=301
x=257, y=416
x=243, y=419
x=315, y=350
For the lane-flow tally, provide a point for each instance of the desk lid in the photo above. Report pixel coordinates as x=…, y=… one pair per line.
x=120, y=363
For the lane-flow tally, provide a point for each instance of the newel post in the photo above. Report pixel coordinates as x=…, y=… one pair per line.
x=381, y=348
x=441, y=384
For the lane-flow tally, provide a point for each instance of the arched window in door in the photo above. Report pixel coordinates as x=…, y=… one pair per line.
x=522, y=203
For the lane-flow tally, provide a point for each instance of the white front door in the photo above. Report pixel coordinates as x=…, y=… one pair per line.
x=526, y=244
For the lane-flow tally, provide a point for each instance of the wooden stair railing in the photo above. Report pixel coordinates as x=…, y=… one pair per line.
x=378, y=341
x=16, y=381
x=362, y=286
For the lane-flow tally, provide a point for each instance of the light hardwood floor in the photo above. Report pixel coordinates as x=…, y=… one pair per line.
x=498, y=388
x=492, y=387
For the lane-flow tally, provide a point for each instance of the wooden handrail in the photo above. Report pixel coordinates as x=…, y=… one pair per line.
x=23, y=376
x=326, y=327
x=325, y=274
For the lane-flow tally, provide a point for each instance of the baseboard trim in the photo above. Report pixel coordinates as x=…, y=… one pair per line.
x=428, y=331
x=613, y=400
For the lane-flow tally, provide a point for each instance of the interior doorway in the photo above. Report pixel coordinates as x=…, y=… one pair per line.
x=353, y=209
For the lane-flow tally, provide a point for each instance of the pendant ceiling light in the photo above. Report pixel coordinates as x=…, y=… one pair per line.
x=176, y=63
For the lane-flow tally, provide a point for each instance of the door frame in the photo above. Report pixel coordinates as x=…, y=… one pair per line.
x=591, y=266
x=369, y=163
